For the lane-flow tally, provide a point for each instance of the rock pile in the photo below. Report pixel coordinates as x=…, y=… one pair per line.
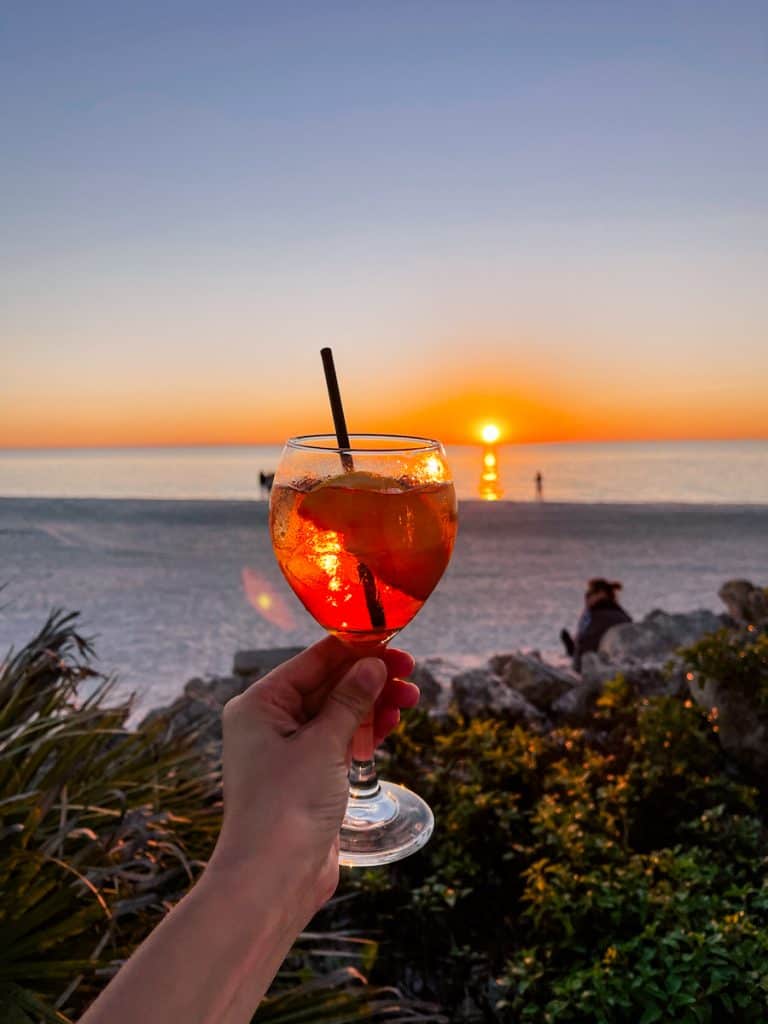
x=522, y=687
x=200, y=704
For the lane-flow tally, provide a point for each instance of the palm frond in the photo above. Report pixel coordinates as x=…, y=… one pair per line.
x=100, y=827
x=343, y=997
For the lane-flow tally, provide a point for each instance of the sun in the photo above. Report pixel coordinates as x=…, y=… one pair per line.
x=490, y=433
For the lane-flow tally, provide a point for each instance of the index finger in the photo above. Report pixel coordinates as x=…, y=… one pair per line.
x=309, y=671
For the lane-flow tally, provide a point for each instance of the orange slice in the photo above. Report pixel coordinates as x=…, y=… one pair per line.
x=396, y=533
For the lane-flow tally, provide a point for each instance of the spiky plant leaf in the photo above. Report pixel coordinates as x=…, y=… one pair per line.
x=101, y=827
x=343, y=997
x=19, y=1006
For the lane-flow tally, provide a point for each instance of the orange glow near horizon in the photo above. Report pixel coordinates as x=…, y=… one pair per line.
x=569, y=248
x=458, y=416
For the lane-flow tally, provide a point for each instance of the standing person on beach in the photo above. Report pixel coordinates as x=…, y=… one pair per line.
x=539, y=481
x=601, y=611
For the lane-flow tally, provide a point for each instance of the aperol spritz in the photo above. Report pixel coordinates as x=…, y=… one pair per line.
x=363, y=535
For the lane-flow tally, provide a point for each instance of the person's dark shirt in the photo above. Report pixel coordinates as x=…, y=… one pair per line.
x=593, y=623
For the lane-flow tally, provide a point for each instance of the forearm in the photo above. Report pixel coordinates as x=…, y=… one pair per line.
x=212, y=958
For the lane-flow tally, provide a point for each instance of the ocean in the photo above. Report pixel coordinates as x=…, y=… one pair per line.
x=167, y=554
x=728, y=472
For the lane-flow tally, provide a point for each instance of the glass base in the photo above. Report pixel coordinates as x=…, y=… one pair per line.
x=384, y=827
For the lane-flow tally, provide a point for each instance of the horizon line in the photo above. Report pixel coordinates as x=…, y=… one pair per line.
x=159, y=446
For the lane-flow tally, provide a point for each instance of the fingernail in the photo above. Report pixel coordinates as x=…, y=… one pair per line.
x=371, y=674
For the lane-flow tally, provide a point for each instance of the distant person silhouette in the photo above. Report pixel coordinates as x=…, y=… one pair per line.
x=266, y=480
x=601, y=611
x=539, y=481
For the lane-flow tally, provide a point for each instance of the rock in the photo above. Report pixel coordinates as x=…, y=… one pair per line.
x=479, y=693
x=596, y=669
x=742, y=728
x=431, y=691
x=213, y=692
x=532, y=678
x=656, y=637
x=745, y=602
x=195, y=687
x=258, y=662
x=224, y=688
x=646, y=679
x=199, y=707
x=576, y=706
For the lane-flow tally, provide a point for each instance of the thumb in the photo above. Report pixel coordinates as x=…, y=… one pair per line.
x=351, y=701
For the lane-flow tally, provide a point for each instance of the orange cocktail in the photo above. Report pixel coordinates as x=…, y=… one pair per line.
x=363, y=534
x=362, y=551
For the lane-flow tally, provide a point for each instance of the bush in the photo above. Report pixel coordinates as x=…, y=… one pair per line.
x=738, y=658
x=614, y=874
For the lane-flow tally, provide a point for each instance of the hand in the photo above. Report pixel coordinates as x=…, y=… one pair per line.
x=286, y=755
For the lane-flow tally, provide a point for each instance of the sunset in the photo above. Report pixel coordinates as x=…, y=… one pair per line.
x=384, y=512
x=553, y=216
x=683, y=402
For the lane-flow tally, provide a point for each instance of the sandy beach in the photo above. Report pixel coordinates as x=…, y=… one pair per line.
x=172, y=589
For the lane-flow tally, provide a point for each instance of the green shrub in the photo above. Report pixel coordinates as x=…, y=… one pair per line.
x=613, y=874
x=738, y=658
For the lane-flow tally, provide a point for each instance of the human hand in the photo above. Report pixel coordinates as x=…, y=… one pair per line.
x=286, y=755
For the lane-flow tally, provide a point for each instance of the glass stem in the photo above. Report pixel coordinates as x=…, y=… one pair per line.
x=363, y=781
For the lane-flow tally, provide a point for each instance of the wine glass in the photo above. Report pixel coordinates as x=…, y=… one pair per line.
x=363, y=534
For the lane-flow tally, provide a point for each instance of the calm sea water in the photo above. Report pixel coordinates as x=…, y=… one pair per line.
x=720, y=472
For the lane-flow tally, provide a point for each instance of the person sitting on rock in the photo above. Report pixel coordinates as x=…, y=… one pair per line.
x=601, y=611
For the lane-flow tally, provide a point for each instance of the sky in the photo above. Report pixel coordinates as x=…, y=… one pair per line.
x=553, y=215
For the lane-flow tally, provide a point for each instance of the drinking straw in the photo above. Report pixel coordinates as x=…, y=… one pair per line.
x=367, y=579
x=337, y=409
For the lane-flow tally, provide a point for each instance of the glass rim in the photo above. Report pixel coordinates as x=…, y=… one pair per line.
x=424, y=444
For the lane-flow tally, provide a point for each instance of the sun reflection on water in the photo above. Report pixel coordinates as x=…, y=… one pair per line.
x=490, y=485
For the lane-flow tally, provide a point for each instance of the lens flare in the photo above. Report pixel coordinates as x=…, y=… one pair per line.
x=265, y=599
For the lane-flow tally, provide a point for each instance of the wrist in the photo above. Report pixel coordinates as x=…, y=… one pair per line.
x=275, y=878
x=215, y=954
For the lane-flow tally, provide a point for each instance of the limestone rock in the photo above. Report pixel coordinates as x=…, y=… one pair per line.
x=596, y=669
x=742, y=728
x=532, y=678
x=575, y=707
x=425, y=679
x=647, y=679
x=258, y=662
x=657, y=637
x=479, y=692
x=745, y=602
x=199, y=706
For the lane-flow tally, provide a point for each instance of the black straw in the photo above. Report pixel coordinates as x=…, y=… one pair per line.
x=337, y=409
x=367, y=579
